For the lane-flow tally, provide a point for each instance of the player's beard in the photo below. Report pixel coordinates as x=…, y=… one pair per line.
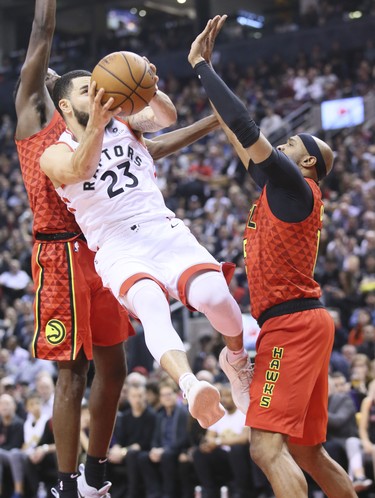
x=81, y=117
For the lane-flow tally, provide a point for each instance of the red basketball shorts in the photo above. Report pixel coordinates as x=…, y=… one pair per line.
x=289, y=391
x=72, y=308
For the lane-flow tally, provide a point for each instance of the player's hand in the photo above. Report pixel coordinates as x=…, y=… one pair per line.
x=100, y=112
x=202, y=46
x=153, y=69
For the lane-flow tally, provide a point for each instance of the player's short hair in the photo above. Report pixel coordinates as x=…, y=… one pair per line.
x=63, y=86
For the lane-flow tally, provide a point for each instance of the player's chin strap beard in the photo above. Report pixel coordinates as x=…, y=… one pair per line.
x=313, y=149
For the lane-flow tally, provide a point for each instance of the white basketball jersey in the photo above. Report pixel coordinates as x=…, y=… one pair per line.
x=121, y=193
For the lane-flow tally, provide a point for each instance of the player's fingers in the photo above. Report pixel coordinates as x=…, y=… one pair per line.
x=206, y=30
x=221, y=22
x=152, y=67
x=218, y=24
x=107, y=106
x=116, y=111
x=99, y=95
x=92, y=89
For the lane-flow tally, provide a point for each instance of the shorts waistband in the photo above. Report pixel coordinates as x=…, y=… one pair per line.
x=58, y=237
x=289, y=307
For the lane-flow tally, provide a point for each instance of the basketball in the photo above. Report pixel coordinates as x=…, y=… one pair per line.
x=128, y=78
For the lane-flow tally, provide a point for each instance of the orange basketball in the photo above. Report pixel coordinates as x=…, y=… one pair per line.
x=127, y=78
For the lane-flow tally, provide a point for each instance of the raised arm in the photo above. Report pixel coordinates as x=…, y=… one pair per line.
x=173, y=141
x=34, y=107
x=250, y=143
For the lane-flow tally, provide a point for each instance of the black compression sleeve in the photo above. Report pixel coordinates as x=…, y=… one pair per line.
x=230, y=107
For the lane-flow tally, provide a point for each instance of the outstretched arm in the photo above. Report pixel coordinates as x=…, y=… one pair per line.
x=34, y=107
x=250, y=143
x=173, y=141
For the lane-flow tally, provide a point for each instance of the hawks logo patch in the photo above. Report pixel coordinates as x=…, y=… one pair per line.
x=55, y=332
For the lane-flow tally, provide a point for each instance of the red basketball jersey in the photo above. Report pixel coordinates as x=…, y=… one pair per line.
x=50, y=213
x=280, y=257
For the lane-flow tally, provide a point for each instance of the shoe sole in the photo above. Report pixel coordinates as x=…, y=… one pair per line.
x=206, y=406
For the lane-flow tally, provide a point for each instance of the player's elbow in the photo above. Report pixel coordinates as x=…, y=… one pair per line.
x=82, y=170
x=169, y=118
x=82, y=173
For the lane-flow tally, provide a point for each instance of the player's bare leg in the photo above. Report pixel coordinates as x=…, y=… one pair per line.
x=330, y=476
x=70, y=386
x=110, y=372
x=270, y=452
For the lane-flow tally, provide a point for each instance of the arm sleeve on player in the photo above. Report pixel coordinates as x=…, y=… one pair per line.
x=230, y=107
x=288, y=193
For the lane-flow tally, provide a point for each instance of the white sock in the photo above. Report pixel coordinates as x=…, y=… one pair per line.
x=186, y=381
x=234, y=356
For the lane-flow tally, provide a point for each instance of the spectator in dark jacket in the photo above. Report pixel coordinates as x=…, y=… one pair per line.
x=133, y=434
x=159, y=466
x=11, y=433
x=343, y=443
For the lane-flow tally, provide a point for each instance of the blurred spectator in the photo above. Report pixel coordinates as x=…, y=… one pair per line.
x=159, y=466
x=343, y=443
x=368, y=345
x=14, y=281
x=41, y=465
x=152, y=395
x=33, y=429
x=133, y=433
x=223, y=455
x=11, y=434
x=367, y=425
x=18, y=355
x=360, y=375
x=46, y=389
x=272, y=125
x=360, y=318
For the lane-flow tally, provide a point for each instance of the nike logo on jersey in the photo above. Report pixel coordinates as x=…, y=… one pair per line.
x=103, y=461
x=175, y=225
x=74, y=476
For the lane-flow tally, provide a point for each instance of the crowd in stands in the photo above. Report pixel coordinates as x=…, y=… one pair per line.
x=157, y=449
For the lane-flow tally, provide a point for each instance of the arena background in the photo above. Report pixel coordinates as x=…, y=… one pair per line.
x=289, y=61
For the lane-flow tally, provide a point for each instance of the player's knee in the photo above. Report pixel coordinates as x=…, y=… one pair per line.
x=110, y=363
x=145, y=291
x=259, y=455
x=71, y=382
x=211, y=293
